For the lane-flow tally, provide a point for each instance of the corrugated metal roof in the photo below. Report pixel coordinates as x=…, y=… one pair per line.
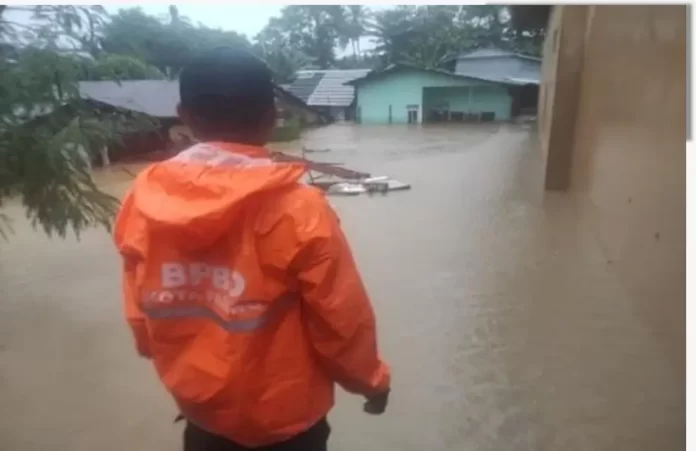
x=157, y=98
x=486, y=53
x=404, y=66
x=305, y=84
x=505, y=70
x=330, y=90
x=499, y=65
x=493, y=52
x=523, y=81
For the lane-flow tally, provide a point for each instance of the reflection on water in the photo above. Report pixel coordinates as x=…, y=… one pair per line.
x=505, y=326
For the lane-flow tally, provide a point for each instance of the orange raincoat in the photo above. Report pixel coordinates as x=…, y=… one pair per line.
x=241, y=287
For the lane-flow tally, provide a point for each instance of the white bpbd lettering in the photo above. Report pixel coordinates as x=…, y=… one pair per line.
x=178, y=275
x=199, y=271
x=173, y=275
x=237, y=285
x=221, y=278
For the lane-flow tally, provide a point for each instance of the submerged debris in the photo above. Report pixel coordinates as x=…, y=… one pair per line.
x=335, y=179
x=367, y=186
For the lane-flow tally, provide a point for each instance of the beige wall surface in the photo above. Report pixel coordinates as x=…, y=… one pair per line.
x=617, y=143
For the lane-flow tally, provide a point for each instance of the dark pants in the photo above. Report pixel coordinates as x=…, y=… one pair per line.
x=315, y=439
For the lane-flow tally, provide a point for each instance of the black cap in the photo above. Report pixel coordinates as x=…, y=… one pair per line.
x=226, y=72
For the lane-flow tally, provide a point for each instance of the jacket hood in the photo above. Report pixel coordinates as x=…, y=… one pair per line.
x=195, y=197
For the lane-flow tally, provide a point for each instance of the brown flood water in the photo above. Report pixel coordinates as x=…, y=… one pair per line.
x=505, y=326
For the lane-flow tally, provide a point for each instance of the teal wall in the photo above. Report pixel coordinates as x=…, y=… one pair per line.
x=472, y=99
x=405, y=88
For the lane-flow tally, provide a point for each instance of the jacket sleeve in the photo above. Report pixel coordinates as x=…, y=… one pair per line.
x=131, y=253
x=337, y=311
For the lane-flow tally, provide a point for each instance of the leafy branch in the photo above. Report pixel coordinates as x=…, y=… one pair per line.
x=49, y=136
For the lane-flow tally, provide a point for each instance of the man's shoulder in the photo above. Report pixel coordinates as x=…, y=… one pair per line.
x=299, y=207
x=301, y=198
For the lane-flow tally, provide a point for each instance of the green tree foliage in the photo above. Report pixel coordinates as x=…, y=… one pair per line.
x=431, y=36
x=314, y=31
x=356, y=19
x=48, y=134
x=167, y=44
x=392, y=31
x=528, y=23
x=284, y=61
x=117, y=67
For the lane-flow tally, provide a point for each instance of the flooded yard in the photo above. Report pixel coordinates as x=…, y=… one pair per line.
x=504, y=324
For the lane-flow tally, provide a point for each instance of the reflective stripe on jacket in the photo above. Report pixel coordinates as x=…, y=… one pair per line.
x=240, y=285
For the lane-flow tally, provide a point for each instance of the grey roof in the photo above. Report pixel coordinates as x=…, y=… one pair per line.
x=493, y=52
x=157, y=98
x=486, y=53
x=376, y=74
x=305, y=84
x=328, y=86
x=499, y=65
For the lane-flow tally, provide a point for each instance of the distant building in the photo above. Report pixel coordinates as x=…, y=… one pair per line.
x=327, y=91
x=159, y=98
x=403, y=93
x=499, y=65
x=506, y=67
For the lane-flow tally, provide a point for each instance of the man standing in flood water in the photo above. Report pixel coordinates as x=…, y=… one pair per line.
x=238, y=281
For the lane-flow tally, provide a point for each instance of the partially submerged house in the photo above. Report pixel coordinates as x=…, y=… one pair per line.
x=327, y=91
x=520, y=71
x=158, y=99
x=487, y=85
x=499, y=65
x=402, y=93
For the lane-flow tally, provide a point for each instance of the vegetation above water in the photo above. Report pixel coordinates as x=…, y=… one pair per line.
x=289, y=131
x=42, y=60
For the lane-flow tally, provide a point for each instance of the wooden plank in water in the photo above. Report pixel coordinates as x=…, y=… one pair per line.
x=324, y=168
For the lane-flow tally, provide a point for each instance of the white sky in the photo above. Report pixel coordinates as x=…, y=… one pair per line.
x=248, y=20
x=245, y=19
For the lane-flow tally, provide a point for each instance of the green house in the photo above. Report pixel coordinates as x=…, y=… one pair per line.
x=406, y=94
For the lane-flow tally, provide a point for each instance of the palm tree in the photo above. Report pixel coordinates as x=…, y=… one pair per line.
x=393, y=30
x=356, y=20
x=284, y=61
x=174, y=14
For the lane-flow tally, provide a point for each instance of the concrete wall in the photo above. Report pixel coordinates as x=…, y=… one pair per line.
x=403, y=89
x=612, y=126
